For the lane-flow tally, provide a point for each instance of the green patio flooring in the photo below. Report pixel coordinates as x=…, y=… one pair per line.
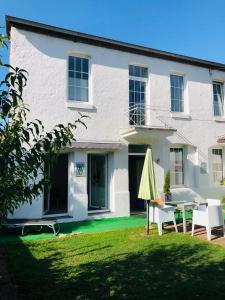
x=92, y=226
x=87, y=227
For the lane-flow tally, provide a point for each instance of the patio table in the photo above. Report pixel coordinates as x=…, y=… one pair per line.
x=183, y=206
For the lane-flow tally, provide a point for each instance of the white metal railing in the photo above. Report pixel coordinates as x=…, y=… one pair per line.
x=138, y=114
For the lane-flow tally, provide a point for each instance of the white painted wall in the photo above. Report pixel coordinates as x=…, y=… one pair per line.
x=45, y=58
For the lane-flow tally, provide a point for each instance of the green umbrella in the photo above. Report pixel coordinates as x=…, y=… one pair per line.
x=148, y=190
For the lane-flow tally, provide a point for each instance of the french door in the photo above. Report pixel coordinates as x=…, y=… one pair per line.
x=97, y=182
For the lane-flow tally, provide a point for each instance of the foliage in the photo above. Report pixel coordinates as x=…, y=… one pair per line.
x=166, y=186
x=223, y=200
x=25, y=146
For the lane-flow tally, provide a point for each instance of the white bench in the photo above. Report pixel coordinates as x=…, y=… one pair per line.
x=26, y=223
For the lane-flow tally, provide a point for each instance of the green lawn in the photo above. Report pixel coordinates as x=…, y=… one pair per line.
x=123, y=264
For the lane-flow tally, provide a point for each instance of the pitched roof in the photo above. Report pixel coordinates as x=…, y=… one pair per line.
x=107, y=43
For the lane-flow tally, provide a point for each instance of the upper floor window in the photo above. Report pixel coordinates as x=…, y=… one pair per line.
x=177, y=93
x=138, y=77
x=78, y=78
x=218, y=99
x=176, y=166
x=217, y=165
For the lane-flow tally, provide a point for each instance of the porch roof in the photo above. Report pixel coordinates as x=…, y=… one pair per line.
x=144, y=133
x=95, y=145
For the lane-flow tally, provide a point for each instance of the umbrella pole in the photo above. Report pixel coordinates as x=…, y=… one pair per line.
x=147, y=231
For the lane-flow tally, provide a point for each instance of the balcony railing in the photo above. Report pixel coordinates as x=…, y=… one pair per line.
x=138, y=114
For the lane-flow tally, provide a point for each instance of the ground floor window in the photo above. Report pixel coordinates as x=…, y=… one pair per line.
x=176, y=166
x=97, y=182
x=217, y=166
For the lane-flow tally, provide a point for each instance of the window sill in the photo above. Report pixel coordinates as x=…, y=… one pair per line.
x=219, y=119
x=79, y=105
x=179, y=115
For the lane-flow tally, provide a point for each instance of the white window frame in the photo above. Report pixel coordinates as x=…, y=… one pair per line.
x=183, y=152
x=79, y=103
x=184, y=111
x=216, y=183
x=141, y=79
x=221, y=83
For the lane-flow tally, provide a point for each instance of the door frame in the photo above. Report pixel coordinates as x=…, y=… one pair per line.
x=130, y=154
x=96, y=208
x=47, y=194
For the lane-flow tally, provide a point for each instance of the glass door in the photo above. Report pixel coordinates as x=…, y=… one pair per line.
x=97, y=182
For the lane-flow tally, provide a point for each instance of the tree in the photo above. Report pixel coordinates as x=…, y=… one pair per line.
x=25, y=146
x=166, y=186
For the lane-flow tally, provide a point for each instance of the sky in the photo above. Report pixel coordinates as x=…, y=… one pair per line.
x=190, y=27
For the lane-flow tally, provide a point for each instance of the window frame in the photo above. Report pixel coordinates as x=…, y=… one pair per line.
x=183, y=150
x=74, y=101
x=183, y=93
x=221, y=83
x=138, y=79
x=211, y=165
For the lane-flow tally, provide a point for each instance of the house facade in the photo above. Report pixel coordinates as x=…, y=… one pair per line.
x=135, y=97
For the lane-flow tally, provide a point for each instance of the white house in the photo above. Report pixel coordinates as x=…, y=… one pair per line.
x=135, y=97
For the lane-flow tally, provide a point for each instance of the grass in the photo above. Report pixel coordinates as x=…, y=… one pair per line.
x=91, y=226
x=122, y=264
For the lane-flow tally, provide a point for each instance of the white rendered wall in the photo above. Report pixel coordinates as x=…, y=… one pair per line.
x=45, y=59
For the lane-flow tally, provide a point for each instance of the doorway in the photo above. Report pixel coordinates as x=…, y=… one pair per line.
x=136, y=163
x=56, y=198
x=97, y=182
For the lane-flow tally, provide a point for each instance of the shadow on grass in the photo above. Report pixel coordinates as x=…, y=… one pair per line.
x=159, y=271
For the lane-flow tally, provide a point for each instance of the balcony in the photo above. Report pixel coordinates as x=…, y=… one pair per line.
x=140, y=129
x=138, y=115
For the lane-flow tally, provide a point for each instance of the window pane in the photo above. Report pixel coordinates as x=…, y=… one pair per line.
x=137, y=113
x=176, y=83
x=84, y=94
x=131, y=85
x=71, y=93
x=78, y=75
x=176, y=166
x=85, y=65
x=137, y=86
x=217, y=165
x=131, y=70
x=78, y=78
x=71, y=63
x=78, y=93
x=137, y=148
x=138, y=71
x=71, y=74
x=78, y=64
x=218, y=99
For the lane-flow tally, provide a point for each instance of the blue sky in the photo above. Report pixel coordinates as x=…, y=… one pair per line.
x=191, y=27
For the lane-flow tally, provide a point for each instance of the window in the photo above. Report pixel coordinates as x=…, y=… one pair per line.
x=137, y=149
x=177, y=93
x=218, y=99
x=217, y=165
x=78, y=78
x=137, y=88
x=176, y=166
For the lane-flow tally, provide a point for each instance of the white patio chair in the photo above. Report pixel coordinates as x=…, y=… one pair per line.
x=160, y=215
x=209, y=216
